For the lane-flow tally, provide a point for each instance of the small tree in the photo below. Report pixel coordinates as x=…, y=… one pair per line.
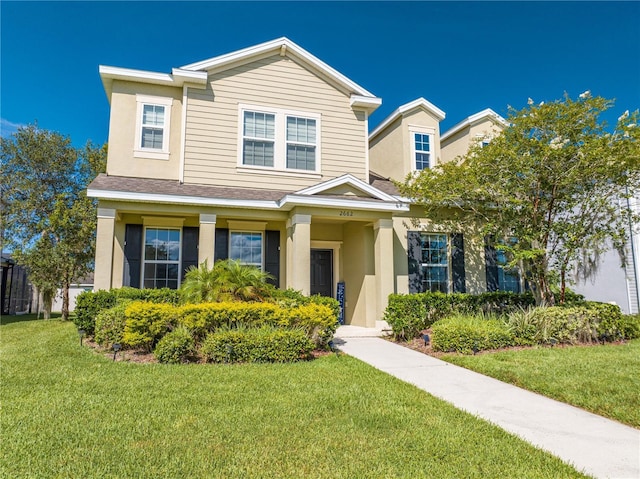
x=47, y=219
x=554, y=180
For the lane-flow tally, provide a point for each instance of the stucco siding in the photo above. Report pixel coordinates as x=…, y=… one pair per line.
x=212, y=136
x=121, y=160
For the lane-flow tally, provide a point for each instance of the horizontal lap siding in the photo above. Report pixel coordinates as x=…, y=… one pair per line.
x=211, y=142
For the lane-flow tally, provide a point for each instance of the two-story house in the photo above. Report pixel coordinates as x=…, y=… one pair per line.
x=264, y=155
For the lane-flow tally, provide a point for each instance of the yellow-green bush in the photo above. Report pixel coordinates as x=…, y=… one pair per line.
x=318, y=320
x=467, y=333
x=146, y=323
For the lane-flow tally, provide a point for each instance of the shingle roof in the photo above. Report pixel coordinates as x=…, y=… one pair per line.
x=174, y=188
x=383, y=184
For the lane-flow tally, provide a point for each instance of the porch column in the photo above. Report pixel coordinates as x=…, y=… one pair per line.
x=105, y=237
x=299, y=253
x=383, y=253
x=207, y=239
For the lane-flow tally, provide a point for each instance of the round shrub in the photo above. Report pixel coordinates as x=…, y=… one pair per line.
x=88, y=305
x=175, y=347
x=146, y=323
x=110, y=325
x=630, y=326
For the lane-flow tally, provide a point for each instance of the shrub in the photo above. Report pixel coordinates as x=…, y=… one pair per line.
x=265, y=344
x=175, y=347
x=630, y=326
x=317, y=320
x=88, y=305
x=580, y=324
x=110, y=324
x=466, y=334
x=522, y=327
x=161, y=295
x=146, y=323
x=407, y=315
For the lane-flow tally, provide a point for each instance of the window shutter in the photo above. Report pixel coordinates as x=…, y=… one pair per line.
x=414, y=251
x=457, y=263
x=272, y=255
x=190, y=238
x=491, y=265
x=222, y=244
x=132, y=255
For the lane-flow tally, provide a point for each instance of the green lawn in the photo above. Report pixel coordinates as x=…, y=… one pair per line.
x=601, y=379
x=69, y=413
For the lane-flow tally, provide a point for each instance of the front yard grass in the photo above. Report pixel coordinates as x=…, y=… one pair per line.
x=67, y=412
x=601, y=379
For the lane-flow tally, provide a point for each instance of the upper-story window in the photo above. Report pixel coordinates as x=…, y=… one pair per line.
x=279, y=140
x=152, y=127
x=422, y=145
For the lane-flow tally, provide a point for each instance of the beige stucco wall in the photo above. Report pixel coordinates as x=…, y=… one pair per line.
x=122, y=132
x=458, y=144
x=211, y=148
x=390, y=151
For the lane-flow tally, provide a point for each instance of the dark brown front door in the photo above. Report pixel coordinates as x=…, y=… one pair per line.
x=322, y=272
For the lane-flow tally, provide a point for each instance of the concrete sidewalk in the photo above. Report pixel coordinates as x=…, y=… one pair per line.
x=592, y=444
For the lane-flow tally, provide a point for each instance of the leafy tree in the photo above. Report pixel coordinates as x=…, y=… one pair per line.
x=227, y=280
x=47, y=219
x=555, y=179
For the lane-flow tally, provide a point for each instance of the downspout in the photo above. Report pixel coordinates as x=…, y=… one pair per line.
x=183, y=133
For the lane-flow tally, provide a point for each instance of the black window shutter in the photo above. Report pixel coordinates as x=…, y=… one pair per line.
x=457, y=263
x=272, y=255
x=222, y=244
x=414, y=251
x=190, y=237
x=132, y=255
x=491, y=265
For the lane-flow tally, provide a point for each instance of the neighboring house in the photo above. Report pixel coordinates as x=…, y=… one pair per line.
x=79, y=286
x=612, y=283
x=264, y=155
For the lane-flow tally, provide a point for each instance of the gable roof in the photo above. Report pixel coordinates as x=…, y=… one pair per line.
x=348, y=180
x=407, y=107
x=487, y=114
x=195, y=74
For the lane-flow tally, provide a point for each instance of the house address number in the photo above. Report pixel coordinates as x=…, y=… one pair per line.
x=346, y=213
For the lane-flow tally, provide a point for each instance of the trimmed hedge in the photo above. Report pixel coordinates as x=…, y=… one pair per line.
x=89, y=303
x=146, y=323
x=630, y=326
x=110, y=325
x=256, y=345
x=175, y=347
x=408, y=314
x=467, y=334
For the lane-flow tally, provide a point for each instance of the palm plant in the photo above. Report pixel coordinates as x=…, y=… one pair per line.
x=227, y=280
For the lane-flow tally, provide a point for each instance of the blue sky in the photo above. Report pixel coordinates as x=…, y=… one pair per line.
x=461, y=56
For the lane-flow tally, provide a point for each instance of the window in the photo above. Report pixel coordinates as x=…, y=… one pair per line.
x=259, y=138
x=435, y=262
x=279, y=140
x=301, y=143
x=152, y=131
x=246, y=247
x=508, y=278
x=422, y=150
x=161, y=258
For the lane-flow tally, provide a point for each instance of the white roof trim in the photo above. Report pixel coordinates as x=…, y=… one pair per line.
x=177, y=78
x=418, y=103
x=286, y=203
x=482, y=115
x=366, y=102
x=350, y=180
x=276, y=46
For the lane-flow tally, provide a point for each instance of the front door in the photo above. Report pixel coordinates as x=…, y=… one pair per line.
x=322, y=272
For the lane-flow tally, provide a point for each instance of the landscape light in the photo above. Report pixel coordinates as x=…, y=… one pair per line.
x=116, y=348
x=81, y=334
x=426, y=338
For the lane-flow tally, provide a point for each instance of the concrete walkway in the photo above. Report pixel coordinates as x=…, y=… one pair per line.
x=592, y=444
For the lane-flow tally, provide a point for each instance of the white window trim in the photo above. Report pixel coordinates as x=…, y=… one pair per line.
x=262, y=245
x=430, y=132
x=448, y=266
x=153, y=153
x=144, y=259
x=280, y=140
